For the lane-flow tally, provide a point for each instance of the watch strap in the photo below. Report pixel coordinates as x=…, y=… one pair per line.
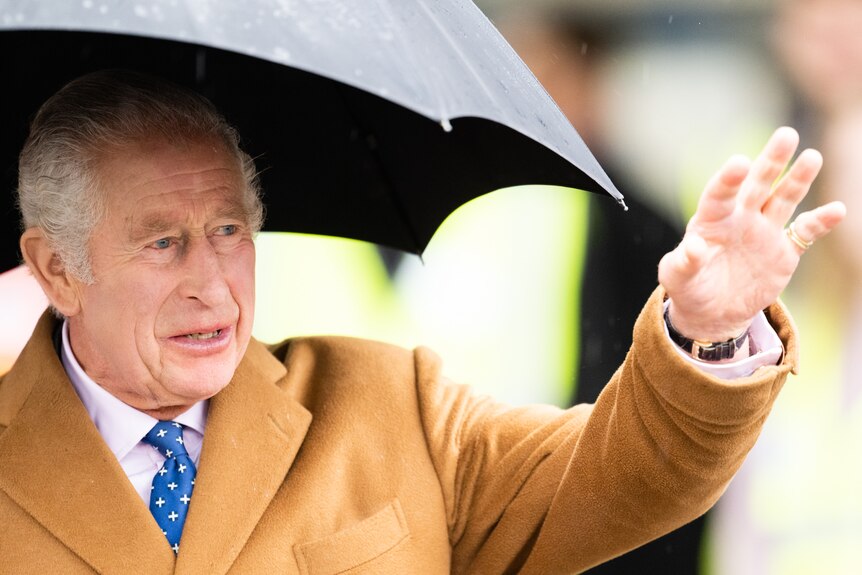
x=705, y=350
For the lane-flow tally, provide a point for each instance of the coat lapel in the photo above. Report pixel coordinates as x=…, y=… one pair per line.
x=254, y=430
x=57, y=467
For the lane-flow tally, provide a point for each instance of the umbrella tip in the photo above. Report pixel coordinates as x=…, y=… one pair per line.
x=447, y=126
x=622, y=202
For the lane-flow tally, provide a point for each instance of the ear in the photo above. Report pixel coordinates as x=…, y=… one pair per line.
x=60, y=287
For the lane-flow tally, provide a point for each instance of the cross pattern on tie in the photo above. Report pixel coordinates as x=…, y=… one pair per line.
x=173, y=483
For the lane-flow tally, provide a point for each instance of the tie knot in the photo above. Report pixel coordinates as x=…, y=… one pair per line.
x=167, y=437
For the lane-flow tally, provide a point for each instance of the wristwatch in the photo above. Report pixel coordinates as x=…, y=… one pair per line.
x=705, y=350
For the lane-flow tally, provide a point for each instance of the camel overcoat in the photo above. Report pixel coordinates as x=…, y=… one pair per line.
x=335, y=455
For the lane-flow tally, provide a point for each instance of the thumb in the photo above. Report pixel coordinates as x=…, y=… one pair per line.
x=683, y=263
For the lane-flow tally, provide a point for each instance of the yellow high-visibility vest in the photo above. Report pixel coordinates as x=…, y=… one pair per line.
x=495, y=293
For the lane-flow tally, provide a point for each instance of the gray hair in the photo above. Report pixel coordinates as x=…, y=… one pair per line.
x=58, y=180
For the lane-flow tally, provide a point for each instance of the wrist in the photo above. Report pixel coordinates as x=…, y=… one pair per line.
x=710, y=350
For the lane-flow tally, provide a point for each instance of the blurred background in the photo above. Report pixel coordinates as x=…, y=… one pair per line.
x=530, y=293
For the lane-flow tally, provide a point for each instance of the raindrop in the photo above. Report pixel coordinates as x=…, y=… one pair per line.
x=357, y=72
x=281, y=53
x=670, y=19
x=584, y=48
x=446, y=124
x=87, y=4
x=141, y=11
x=103, y=9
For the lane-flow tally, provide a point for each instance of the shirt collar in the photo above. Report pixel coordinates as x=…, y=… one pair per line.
x=121, y=425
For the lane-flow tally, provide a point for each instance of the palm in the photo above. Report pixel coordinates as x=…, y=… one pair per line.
x=735, y=259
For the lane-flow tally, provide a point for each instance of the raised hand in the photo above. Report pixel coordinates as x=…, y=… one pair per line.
x=736, y=257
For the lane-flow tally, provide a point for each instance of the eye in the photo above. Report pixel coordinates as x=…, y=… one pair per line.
x=227, y=230
x=163, y=243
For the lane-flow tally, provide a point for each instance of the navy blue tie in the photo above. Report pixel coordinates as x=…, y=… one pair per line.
x=173, y=483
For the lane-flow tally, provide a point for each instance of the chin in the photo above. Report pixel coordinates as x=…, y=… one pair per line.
x=204, y=382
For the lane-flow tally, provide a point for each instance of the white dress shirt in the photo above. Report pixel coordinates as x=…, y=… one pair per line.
x=123, y=427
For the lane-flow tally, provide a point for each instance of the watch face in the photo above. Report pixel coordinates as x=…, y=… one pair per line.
x=716, y=351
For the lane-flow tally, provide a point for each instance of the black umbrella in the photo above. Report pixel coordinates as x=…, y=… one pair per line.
x=371, y=120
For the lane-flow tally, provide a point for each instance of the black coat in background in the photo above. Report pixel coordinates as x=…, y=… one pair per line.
x=621, y=270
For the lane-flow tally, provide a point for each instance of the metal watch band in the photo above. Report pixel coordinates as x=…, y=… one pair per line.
x=705, y=350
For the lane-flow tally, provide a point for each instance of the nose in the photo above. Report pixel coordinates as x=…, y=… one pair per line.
x=203, y=273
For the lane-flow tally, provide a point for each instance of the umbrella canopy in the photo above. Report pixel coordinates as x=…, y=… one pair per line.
x=369, y=120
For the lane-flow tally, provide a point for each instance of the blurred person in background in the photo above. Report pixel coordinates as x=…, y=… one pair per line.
x=567, y=54
x=623, y=248
x=796, y=505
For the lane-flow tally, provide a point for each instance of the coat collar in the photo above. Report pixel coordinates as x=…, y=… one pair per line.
x=59, y=470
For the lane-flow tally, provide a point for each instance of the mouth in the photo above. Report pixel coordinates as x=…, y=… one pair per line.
x=203, y=336
x=205, y=342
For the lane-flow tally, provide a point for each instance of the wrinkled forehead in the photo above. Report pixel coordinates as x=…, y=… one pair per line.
x=159, y=181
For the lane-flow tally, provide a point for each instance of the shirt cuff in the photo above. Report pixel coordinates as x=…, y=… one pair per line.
x=766, y=343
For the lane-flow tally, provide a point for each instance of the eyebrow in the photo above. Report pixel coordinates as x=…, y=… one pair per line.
x=155, y=223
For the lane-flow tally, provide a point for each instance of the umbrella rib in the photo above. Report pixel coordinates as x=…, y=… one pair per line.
x=456, y=48
x=399, y=206
x=407, y=51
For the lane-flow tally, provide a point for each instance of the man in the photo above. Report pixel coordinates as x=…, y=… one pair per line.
x=329, y=455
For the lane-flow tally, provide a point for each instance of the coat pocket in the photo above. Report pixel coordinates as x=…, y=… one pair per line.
x=358, y=544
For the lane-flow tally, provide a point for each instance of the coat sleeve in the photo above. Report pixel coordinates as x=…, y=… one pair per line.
x=542, y=490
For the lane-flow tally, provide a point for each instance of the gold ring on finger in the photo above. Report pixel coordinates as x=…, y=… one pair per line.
x=794, y=237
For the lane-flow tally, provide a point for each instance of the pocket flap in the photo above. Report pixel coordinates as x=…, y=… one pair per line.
x=355, y=545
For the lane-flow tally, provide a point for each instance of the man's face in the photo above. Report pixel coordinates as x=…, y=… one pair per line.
x=169, y=315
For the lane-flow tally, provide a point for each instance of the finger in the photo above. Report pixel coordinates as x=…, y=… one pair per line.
x=768, y=166
x=719, y=196
x=812, y=225
x=793, y=187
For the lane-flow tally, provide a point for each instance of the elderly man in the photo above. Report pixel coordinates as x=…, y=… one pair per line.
x=143, y=430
